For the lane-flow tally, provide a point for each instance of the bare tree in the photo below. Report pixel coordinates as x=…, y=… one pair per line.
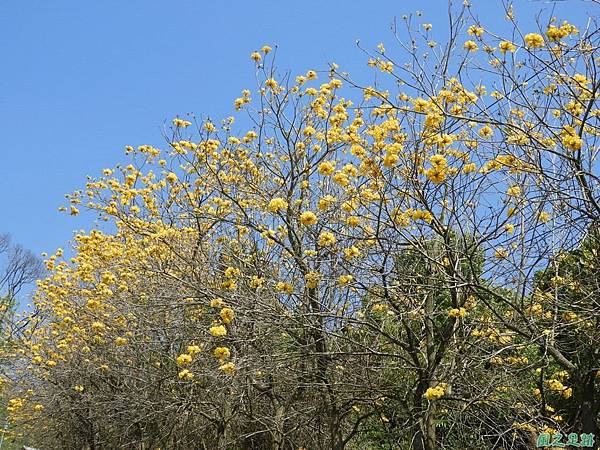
x=18, y=268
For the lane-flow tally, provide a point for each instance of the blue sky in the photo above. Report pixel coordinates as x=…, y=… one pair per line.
x=81, y=80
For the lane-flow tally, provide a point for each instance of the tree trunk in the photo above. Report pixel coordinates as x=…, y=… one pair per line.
x=278, y=434
x=586, y=415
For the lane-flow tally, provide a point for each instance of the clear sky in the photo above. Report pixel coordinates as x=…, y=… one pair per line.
x=82, y=79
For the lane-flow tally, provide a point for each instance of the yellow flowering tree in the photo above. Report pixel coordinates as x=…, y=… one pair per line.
x=355, y=267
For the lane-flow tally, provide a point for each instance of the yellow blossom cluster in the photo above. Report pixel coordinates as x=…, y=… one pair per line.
x=435, y=393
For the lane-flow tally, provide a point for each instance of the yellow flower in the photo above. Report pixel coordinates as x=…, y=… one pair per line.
x=507, y=46
x=309, y=131
x=227, y=315
x=509, y=228
x=534, y=40
x=277, y=204
x=555, y=385
x=210, y=127
x=216, y=302
x=78, y=388
x=186, y=375
x=501, y=253
x=341, y=178
x=436, y=175
x=513, y=191
x=193, y=349
x=391, y=159
x=255, y=56
x=222, y=353
x=120, y=341
x=486, y=132
x=308, y=218
x=326, y=168
x=435, y=393
x=326, y=239
x=357, y=151
x=353, y=221
x=229, y=284
x=98, y=327
x=470, y=46
x=468, y=168
x=230, y=272
x=271, y=83
x=184, y=359
x=93, y=303
x=343, y=280
x=457, y=312
x=348, y=206
x=544, y=217
x=312, y=279
x=438, y=160
x=171, y=177
x=256, y=282
x=282, y=286
x=311, y=75
x=351, y=252
x=555, y=34
x=474, y=30
x=181, y=123
x=325, y=202
x=228, y=368
x=570, y=139
x=218, y=330
x=266, y=49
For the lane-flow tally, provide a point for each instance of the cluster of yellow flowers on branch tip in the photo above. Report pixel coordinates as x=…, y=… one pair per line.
x=437, y=392
x=343, y=280
x=218, y=330
x=312, y=279
x=193, y=349
x=555, y=34
x=228, y=368
x=186, y=375
x=438, y=172
x=181, y=123
x=184, y=359
x=457, y=312
x=534, y=40
x=475, y=30
x=570, y=139
x=277, y=204
x=514, y=191
x=222, y=353
x=227, y=315
x=556, y=386
x=308, y=218
x=507, y=46
x=326, y=239
x=470, y=46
